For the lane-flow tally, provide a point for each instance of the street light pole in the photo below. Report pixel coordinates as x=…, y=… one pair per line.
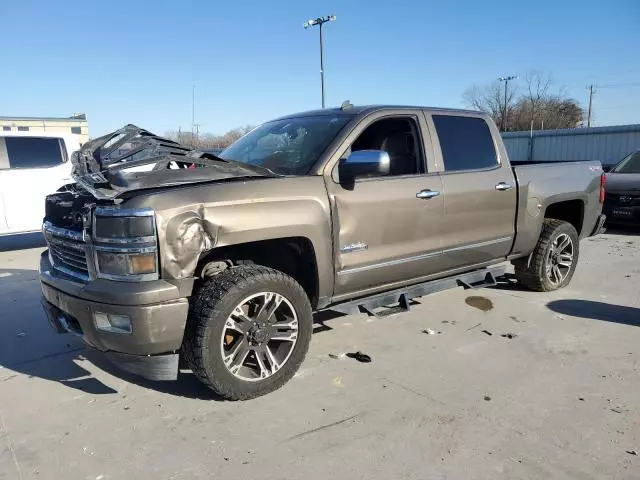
x=320, y=21
x=504, y=114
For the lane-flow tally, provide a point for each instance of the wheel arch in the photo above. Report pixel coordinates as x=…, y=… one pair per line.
x=294, y=256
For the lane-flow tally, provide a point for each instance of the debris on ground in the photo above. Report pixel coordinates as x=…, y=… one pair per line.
x=509, y=335
x=632, y=452
x=338, y=356
x=616, y=410
x=487, y=332
x=21, y=334
x=514, y=318
x=481, y=303
x=359, y=356
x=428, y=331
x=581, y=399
x=475, y=326
x=487, y=398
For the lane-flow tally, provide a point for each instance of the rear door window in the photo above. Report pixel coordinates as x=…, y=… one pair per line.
x=466, y=143
x=34, y=152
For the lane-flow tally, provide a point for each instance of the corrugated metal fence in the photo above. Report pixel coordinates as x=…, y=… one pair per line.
x=607, y=144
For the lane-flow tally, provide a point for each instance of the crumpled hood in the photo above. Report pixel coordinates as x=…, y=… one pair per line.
x=622, y=182
x=132, y=158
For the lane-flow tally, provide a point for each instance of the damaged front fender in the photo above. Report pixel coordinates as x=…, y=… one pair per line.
x=187, y=236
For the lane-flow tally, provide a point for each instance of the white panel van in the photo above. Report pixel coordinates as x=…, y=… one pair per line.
x=32, y=165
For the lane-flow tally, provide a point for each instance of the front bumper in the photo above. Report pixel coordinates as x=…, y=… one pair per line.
x=622, y=214
x=157, y=326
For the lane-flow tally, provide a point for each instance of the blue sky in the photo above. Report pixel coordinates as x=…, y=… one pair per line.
x=123, y=62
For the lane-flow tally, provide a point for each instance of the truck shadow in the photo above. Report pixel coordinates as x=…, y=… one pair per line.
x=606, y=312
x=29, y=346
x=621, y=229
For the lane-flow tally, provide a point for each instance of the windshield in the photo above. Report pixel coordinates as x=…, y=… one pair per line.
x=288, y=147
x=630, y=164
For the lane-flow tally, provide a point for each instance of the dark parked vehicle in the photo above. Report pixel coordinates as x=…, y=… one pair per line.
x=622, y=203
x=223, y=259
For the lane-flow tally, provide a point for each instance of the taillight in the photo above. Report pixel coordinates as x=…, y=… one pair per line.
x=603, y=179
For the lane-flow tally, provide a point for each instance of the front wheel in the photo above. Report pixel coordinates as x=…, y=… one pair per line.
x=554, y=259
x=248, y=331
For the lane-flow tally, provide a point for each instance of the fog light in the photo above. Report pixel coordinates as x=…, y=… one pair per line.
x=111, y=322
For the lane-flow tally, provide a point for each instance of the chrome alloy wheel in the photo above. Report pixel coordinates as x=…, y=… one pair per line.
x=559, y=259
x=259, y=336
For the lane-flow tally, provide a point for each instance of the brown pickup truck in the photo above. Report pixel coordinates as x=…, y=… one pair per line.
x=158, y=251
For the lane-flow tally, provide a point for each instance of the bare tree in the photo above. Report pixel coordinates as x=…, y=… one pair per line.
x=209, y=141
x=538, y=84
x=537, y=107
x=490, y=99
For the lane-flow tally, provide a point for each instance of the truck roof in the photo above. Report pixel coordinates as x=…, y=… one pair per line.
x=354, y=110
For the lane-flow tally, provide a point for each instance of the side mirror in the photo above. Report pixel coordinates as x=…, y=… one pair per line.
x=364, y=163
x=606, y=168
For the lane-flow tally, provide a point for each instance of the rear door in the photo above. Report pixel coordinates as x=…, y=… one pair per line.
x=480, y=204
x=30, y=169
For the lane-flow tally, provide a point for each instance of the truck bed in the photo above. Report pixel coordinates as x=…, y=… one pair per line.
x=541, y=184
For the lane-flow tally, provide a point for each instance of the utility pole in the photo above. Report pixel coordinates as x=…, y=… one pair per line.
x=590, y=87
x=504, y=114
x=193, y=112
x=320, y=21
x=196, y=141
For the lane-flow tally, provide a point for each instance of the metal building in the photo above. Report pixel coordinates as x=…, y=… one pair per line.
x=76, y=125
x=607, y=144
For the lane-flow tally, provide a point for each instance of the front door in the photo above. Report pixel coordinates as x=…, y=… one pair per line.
x=387, y=229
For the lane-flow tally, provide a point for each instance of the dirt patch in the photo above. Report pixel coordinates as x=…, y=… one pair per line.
x=481, y=303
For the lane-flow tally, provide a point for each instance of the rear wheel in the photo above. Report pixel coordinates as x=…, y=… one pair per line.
x=554, y=259
x=248, y=331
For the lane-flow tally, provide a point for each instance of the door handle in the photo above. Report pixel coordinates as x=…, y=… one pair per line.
x=425, y=194
x=502, y=186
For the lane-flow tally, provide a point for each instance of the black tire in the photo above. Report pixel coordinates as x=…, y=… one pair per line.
x=210, y=307
x=535, y=276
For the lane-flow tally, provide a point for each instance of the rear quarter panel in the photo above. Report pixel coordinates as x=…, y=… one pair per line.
x=541, y=185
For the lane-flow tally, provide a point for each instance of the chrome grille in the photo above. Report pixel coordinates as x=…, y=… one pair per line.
x=67, y=251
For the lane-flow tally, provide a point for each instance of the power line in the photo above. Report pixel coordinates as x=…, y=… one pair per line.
x=620, y=85
x=590, y=103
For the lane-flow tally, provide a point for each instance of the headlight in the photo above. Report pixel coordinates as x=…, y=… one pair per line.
x=125, y=263
x=124, y=227
x=125, y=244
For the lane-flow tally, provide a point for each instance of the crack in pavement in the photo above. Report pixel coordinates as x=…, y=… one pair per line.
x=323, y=427
x=5, y=430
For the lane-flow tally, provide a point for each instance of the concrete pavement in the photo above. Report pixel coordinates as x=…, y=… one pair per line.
x=559, y=399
